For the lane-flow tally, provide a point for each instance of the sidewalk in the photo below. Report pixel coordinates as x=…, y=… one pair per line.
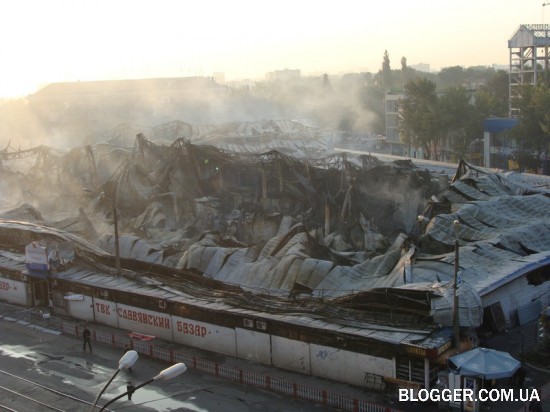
x=321, y=391
x=318, y=390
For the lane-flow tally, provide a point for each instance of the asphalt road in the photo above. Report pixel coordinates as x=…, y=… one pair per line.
x=40, y=371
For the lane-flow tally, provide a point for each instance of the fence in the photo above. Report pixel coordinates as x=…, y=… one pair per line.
x=238, y=375
x=271, y=383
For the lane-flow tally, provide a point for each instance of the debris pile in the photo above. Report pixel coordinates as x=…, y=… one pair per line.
x=267, y=221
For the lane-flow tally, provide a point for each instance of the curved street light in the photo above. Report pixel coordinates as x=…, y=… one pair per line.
x=125, y=362
x=169, y=373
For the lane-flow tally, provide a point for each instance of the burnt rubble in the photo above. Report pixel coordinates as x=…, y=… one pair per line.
x=274, y=228
x=172, y=199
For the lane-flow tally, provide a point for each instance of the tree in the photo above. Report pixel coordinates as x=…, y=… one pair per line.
x=420, y=117
x=533, y=129
x=495, y=95
x=407, y=73
x=387, y=81
x=457, y=119
x=403, y=63
x=452, y=77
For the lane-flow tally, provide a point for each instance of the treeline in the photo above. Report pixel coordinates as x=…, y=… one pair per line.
x=443, y=109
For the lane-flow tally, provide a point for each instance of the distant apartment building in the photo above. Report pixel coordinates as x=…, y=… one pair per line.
x=285, y=74
x=392, y=116
x=392, y=109
x=83, y=108
x=421, y=67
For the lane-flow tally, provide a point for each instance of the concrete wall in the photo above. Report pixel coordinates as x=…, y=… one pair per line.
x=14, y=291
x=346, y=366
x=515, y=294
x=308, y=358
x=290, y=354
x=203, y=335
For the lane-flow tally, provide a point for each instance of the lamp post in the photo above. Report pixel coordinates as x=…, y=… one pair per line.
x=114, y=202
x=115, y=222
x=456, y=309
x=125, y=362
x=169, y=373
x=117, y=246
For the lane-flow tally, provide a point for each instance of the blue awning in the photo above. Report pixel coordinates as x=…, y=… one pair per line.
x=498, y=124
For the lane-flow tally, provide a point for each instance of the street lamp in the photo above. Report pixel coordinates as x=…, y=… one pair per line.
x=456, y=309
x=125, y=362
x=114, y=202
x=115, y=221
x=117, y=246
x=169, y=373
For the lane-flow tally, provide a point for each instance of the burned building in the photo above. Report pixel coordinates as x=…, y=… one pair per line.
x=317, y=264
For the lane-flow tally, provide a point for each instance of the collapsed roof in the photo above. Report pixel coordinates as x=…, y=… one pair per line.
x=332, y=226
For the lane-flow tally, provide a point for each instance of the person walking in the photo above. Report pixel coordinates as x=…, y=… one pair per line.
x=130, y=388
x=86, y=336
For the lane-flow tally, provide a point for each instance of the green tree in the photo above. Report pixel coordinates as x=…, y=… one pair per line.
x=452, y=77
x=407, y=73
x=457, y=120
x=493, y=96
x=532, y=132
x=386, y=74
x=420, y=123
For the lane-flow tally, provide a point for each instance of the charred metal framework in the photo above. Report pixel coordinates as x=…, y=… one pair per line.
x=323, y=250
x=529, y=59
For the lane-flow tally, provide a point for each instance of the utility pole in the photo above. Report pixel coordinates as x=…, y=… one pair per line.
x=456, y=309
x=117, y=246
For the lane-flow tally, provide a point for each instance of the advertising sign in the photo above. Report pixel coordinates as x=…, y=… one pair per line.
x=36, y=257
x=204, y=335
x=144, y=321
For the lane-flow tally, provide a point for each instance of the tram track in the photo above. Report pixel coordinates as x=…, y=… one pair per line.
x=44, y=399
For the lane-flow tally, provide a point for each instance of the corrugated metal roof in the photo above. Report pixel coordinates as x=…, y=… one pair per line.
x=44, y=231
x=89, y=276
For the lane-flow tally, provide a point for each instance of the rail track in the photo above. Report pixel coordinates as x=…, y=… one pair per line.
x=19, y=393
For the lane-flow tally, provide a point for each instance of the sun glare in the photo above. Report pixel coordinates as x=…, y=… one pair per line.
x=13, y=88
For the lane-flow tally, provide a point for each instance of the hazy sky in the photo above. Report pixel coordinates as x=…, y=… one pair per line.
x=44, y=41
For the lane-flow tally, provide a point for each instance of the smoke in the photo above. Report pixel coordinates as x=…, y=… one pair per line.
x=43, y=137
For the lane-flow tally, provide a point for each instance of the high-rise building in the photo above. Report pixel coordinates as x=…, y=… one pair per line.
x=529, y=59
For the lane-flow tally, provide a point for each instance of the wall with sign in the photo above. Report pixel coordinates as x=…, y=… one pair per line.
x=144, y=321
x=253, y=346
x=204, y=335
x=105, y=312
x=346, y=366
x=14, y=291
x=290, y=354
x=79, y=306
x=251, y=342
